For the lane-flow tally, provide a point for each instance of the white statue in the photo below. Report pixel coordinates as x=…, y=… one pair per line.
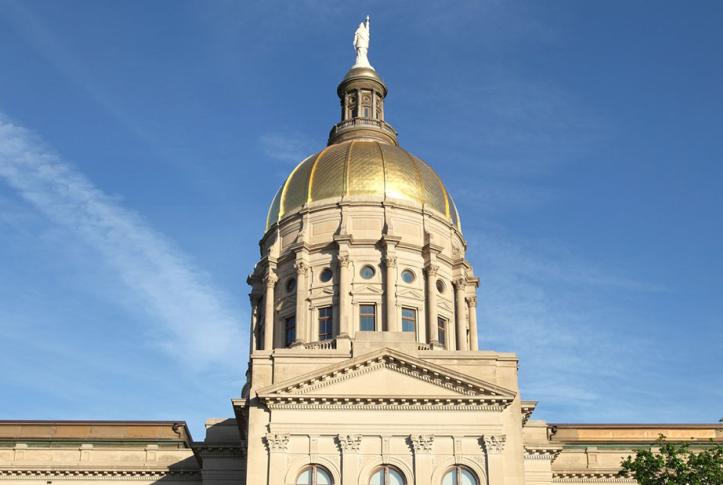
x=361, y=44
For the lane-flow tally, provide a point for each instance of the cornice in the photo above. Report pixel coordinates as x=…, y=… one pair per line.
x=590, y=476
x=297, y=389
x=542, y=452
x=95, y=474
x=384, y=403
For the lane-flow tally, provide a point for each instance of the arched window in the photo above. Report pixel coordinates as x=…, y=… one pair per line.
x=460, y=475
x=387, y=475
x=314, y=475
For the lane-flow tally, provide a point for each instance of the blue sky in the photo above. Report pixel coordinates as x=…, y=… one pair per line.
x=141, y=143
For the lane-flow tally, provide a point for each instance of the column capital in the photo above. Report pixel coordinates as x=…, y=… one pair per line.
x=422, y=443
x=270, y=280
x=460, y=283
x=301, y=267
x=390, y=261
x=277, y=442
x=349, y=443
x=494, y=444
x=431, y=270
x=343, y=260
x=472, y=301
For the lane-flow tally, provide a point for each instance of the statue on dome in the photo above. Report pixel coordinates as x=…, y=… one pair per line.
x=361, y=44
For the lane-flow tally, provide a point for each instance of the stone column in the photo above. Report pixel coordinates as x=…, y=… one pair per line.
x=423, y=463
x=269, y=317
x=344, y=304
x=390, y=292
x=494, y=445
x=253, y=345
x=460, y=285
x=472, y=308
x=302, y=327
x=277, y=445
x=432, y=328
x=349, y=445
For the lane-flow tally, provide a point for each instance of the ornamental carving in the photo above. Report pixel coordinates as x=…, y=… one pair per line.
x=270, y=280
x=344, y=260
x=472, y=301
x=390, y=261
x=460, y=283
x=432, y=270
x=422, y=443
x=301, y=267
x=349, y=442
x=494, y=444
x=277, y=442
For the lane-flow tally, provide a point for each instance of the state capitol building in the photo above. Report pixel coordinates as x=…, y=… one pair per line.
x=364, y=366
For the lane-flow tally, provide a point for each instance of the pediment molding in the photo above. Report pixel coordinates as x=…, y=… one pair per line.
x=456, y=391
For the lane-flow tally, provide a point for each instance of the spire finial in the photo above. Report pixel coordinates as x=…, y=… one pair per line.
x=361, y=44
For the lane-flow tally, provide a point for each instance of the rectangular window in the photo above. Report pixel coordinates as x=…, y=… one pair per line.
x=290, y=330
x=442, y=330
x=367, y=318
x=409, y=320
x=325, y=323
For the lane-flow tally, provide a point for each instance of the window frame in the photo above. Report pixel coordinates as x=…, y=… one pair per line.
x=458, y=469
x=314, y=467
x=324, y=319
x=373, y=315
x=414, y=321
x=442, y=330
x=386, y=469
x=287, y=319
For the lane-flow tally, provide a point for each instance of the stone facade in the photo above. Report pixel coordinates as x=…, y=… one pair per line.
x=364, y=353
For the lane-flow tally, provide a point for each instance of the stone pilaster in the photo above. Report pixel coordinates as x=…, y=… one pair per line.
x=349, y=445
x=460, y=286
x=472, y=309
x=344, y=304
x=390, y=293
x=423, y=462
x=494, y=445
x=302, y=324
x=269, y=315
x=432, y=325
x=277, y=445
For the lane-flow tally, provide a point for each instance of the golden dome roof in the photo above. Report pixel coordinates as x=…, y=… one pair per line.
x=362, y=168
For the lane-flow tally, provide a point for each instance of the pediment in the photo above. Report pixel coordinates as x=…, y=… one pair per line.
x=416, y=294
x=445, y=306
x=387, y=378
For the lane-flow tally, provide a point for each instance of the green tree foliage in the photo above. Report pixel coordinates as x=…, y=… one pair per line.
x=675, y=464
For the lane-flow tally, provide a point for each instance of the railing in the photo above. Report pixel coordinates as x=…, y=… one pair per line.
x=354, y=122
x=424, y=347
x=321, y=345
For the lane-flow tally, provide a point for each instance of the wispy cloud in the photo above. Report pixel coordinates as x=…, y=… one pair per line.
x=552, y=308
x=191, y=318
x=287, y=147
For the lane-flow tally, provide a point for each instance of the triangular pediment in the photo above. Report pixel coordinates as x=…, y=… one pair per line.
x=388, y=377
x=411, y=294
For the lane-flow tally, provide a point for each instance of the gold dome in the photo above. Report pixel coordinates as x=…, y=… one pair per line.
x=358, y=169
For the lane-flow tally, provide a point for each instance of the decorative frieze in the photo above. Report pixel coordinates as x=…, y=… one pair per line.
x=96, y=474
x=349, y=443
x=270, y=280
x=422, y=443
x=542, y=453
x=587, y=476
x=277, y=442
x=494, y=444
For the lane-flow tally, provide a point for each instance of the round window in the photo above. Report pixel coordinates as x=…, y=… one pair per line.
x=291, y=285
x=440, y=286
x=326, y=275
x=367, y=272
x=408, y=276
